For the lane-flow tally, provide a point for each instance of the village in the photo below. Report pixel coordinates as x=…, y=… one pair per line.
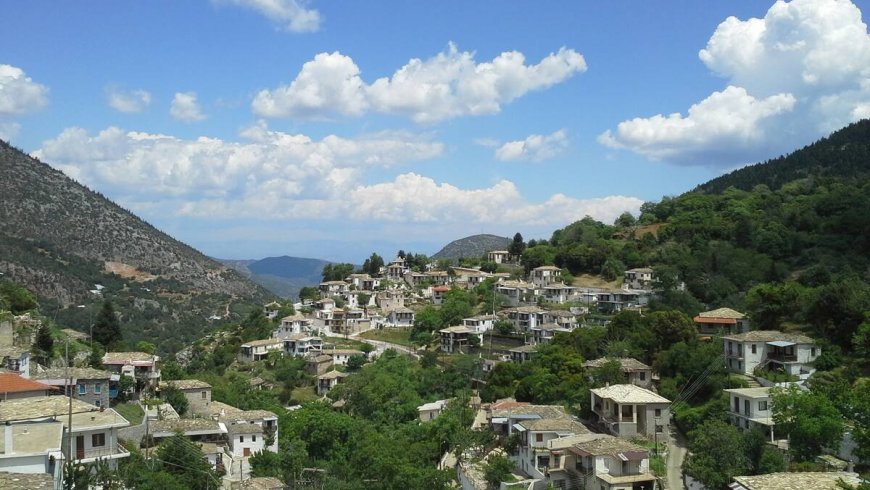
x=626, y=444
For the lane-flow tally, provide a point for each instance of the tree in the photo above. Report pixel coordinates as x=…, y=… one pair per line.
x=309, y=293
x=809, y=419
x=44, y=342
x=489, y=267
x=355, y=362
x=107, y=328
x=336, y=272
x=373, y=264
x=146, y=347
x=517, y=246
x=186, y=463
x=176, y=398
x=16, y=298
x=498, y=468
x=716, y=454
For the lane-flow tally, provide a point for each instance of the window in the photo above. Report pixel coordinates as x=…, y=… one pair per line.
x=642, y=376
x=762, y=405
x=203, y=395
x=98, y=403
x=813, y=352
x=98, y=388
x=253, y=438
x=753, y=348
x=241, y=438
x=539, y=437
x=98, y=440
x=658, y=412
x=82, y=389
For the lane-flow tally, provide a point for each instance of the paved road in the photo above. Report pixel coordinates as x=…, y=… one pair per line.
x=380, y=346
x=676, y=455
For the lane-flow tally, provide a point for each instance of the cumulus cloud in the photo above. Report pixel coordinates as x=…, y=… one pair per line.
x=292, y=15
x=185, y=108
x=272, y=175
x=535, y=148
x=127, y=101
x=795, y=75
x=449, y=85
x=19, y=94
x=416, y=198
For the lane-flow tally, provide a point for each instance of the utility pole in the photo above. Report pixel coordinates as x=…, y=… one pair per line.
x=69, y=414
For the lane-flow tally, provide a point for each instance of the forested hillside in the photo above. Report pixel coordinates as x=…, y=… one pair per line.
x=72, y=246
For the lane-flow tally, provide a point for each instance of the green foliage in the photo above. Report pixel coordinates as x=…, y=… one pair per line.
x=147, y=347
x=44, y=341
x=355, y=362
x=185, y=462
x=498, y=468
x=15, y=298
x=373, y=264
x=517, y=245
x=176, y=398
x=309, y=293
x=716, y=454
x=810, y=420
x=336, y=272
x=107, y=328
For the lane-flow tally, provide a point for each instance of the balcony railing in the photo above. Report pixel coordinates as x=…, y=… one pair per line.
x=777, y=356
x=107, y=451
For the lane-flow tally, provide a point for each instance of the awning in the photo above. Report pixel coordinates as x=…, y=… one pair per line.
x=499, y=420
x=780, y=343
x=519, y=428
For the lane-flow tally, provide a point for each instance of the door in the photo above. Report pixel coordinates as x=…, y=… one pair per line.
x=80, y=447
x=247, y=452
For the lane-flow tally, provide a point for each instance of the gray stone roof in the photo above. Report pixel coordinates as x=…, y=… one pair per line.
x=770, y=336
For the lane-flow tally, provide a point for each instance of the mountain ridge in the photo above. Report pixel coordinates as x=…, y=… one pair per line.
x=472, y=246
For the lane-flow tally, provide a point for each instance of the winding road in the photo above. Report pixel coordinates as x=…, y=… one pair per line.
x=676, y=456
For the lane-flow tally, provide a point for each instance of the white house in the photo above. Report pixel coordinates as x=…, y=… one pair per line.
x=751, y=408
x=558, y=293
x=480, y=323
x=640, y=278
x=634, y=371
x=455, y=339
x=257, y=350
x=270, y=310
x=599, y=462
x=399, y=317
x=525, y=318
x=771, y=350
x=533, y=454
x=545, y=275
x=627, y=410
x=141, y=366
x=302, y=345
x=341, y=356
x=431, y=411
x=327, y=381
x=721, y=321
x=292, y=325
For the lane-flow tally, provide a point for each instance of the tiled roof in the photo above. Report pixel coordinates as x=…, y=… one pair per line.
x=541, y=411
x=609, y=445
x=629, y=394
x=561, y=424
x=525, y=348
x=84, y=416
x=456, y=329
x=186, y=384
x=770, y=336
x=797, y=481
x=762, y=392
x=185, y=425
x=263, y=342
x=333, y=375
x=128, y=357
x=76, y=373
x=264, y=483
x=14, y=383
x=627, y=363
x=722, y=313
x=29, y=481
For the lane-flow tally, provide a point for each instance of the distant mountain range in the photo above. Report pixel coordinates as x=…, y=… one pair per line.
x=60, y=239
x=284, y=275
x=472, y=246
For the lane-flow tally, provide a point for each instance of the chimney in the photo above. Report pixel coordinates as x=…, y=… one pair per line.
x=8, y=439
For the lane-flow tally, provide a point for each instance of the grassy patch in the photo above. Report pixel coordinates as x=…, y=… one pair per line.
x=303, y=394
x=130, y=411
x=400, y=336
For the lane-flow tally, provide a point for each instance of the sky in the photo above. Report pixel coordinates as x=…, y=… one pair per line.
x=255, y=128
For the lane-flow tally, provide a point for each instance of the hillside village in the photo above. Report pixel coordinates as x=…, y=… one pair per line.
x=621, y=441
x=715, y=341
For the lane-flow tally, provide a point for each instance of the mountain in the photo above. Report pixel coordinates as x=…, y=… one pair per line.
x=472, y=246
x=61, y=240
x=842, y=154
x=284, y=275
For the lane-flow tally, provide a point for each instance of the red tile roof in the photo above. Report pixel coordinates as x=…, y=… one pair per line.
x=14, y=383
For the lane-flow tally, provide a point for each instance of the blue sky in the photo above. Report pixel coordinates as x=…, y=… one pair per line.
x=250, y=128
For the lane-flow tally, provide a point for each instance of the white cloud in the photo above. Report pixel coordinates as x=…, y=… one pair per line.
x=19, y=94
x=292, y=15
x=129, y=101
x=449, y=85
x=800, y=72
x=275, y=176
x=721, y=123
x=415, y=198
x=535, y=148
x=9, y=130
x=185, y=108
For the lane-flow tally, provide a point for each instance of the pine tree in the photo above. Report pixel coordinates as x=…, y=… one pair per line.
x=107, y=329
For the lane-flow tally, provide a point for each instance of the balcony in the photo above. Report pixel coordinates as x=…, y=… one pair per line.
x=781, y=357
x=92, y=454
